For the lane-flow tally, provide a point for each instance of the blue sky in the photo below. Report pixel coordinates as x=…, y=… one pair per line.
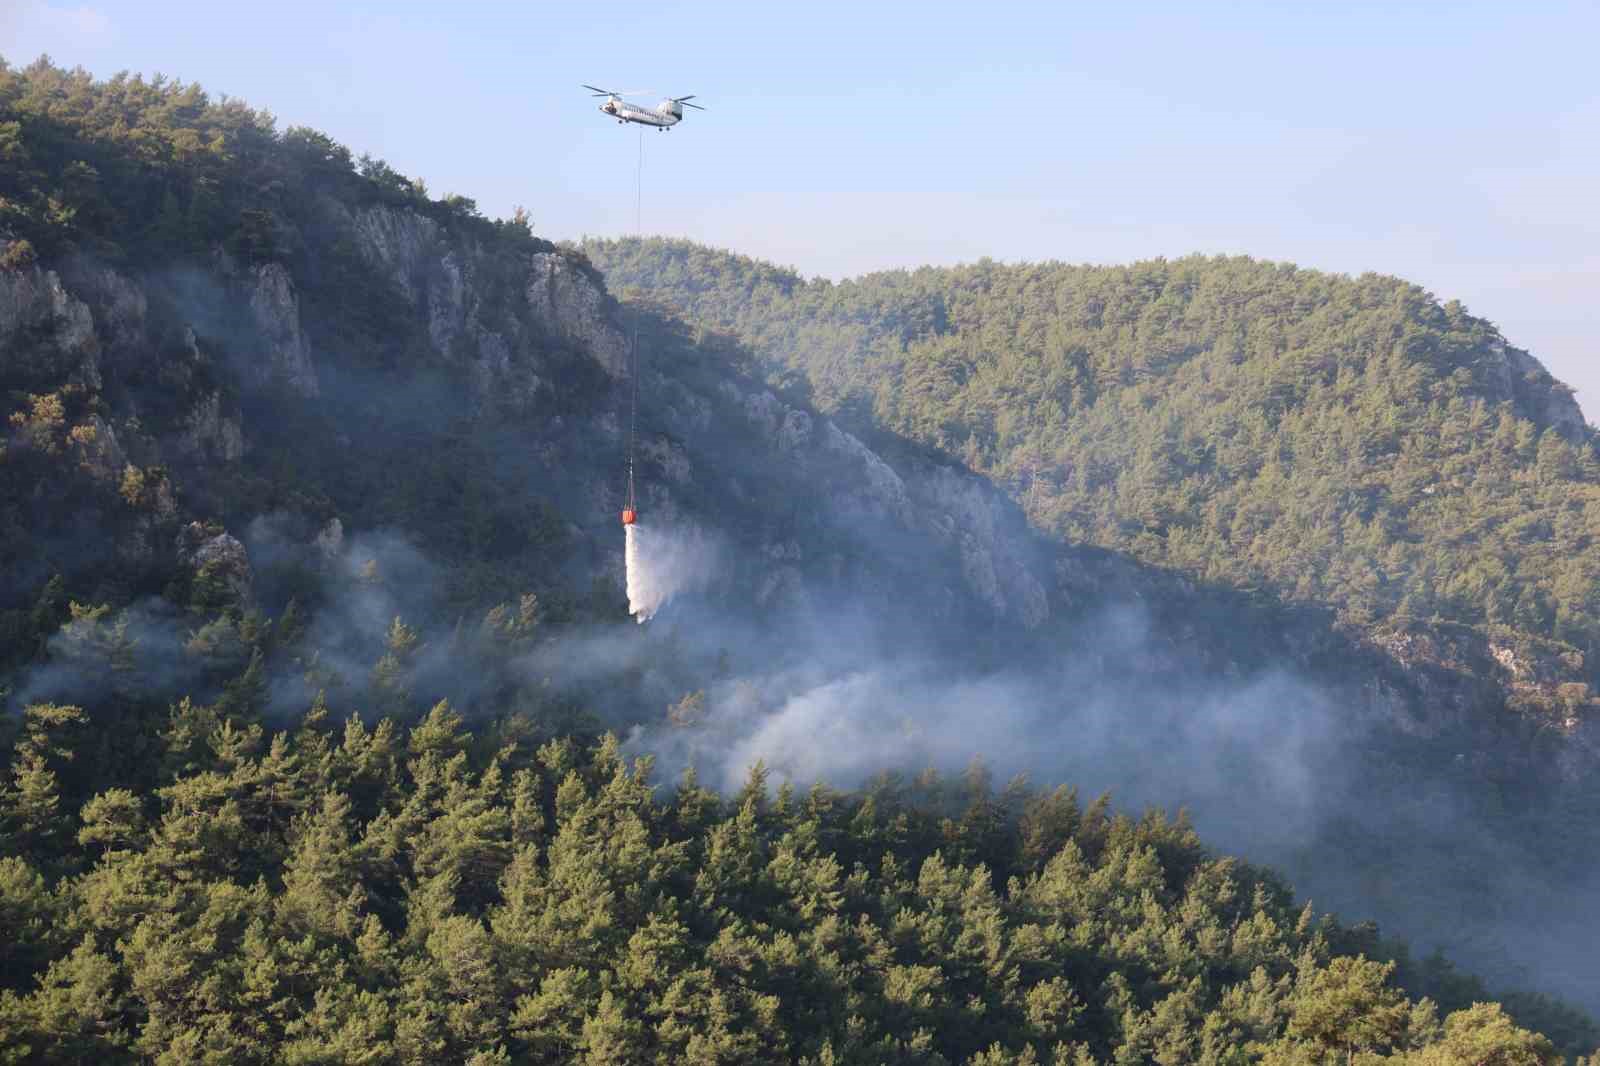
x=1454, y=144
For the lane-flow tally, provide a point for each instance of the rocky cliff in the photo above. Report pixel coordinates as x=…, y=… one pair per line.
x=160, y=369
x=172, y=389
x=477, y=427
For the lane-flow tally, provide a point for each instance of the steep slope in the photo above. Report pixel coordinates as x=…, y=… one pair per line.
x=206, y=367
x=303, y=429
x=1349, y=442
x=1267, y=435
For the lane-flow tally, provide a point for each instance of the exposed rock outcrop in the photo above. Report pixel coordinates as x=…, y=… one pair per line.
x=401, y=244
x=977, y=526
x=506, y=360
x=1539, y=396
x=514, y=321
x=275, y=305
x=118, y=305
x=210, y=432
x=569, y=303
x=47, y=335
x=98, y=451
x=217, y=557
x=991, y=536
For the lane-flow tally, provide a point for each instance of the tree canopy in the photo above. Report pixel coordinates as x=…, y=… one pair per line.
x=345, y=892
x=1336, y=440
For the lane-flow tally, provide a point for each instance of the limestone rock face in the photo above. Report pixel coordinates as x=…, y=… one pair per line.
x=569, y=303
x=47, y=335
x=991, y=537
x=218, y=555
x=119, y=307
x=442, y=276
x=400, y=244
x=976, y=526
x=210, y=433
x=275, y=305
x=330, y=539
x=879, y=482
x=1541, y=397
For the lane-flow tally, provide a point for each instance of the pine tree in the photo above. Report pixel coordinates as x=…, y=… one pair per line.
x=322, y=890
x=1347, y=1006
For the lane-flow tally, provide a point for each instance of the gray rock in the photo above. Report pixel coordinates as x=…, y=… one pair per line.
x=46, y=333
x=568, y=303
x=98, y=451
x=879, y=482
x=440, y=278
x=1549, y=401
x=118, y=305
x=398, y=242
x=220, y=555
x=1533, y=391
x=330, y=540
x=992, y=538
x=275, y=307
x=211, y=433
x=981, y=528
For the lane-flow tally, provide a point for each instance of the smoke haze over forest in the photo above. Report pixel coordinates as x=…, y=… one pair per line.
x=324, y=659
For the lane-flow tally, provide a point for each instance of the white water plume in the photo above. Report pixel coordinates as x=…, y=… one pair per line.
x=662, y=563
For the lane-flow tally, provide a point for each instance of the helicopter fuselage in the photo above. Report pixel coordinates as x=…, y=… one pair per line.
x=664, y=116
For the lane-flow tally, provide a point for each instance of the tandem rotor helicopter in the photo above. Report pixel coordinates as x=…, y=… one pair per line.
x=665, y=115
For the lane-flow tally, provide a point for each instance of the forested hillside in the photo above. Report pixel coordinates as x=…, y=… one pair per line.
x=313, y=643
x=1344, y=441
x=338, y=893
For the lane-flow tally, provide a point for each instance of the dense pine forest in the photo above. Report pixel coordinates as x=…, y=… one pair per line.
x=339, y=893
x=307, y=526
x=1344, y=441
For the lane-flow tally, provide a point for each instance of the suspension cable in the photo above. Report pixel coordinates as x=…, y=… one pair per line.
x=633, y=344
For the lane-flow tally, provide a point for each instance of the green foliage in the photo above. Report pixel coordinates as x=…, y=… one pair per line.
x=1345, y=441
x=185, y=196
x=181, y=882
x=136, y=168
x=1347, y=1006
x=389, y=895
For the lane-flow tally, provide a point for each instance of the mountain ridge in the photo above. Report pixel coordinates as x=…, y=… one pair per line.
x=314, y=431
x=1159, y=438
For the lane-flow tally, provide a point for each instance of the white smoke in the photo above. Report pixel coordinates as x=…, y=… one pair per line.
x=662, y=563
x=1225, y=751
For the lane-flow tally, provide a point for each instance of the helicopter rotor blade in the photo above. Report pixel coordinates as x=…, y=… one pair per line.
x=597, y=91
x=685, y=103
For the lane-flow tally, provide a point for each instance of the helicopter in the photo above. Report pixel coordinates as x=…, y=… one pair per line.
x=665, y=115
